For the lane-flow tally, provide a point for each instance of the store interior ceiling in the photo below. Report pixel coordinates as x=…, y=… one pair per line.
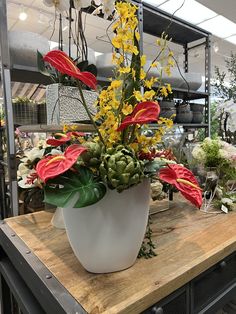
x=40, y=19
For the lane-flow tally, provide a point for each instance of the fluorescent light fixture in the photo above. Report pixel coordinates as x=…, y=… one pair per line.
x=219, y=26
x=155, y=3
x=23, y=15
x=231, y=39
x=191, y=11
x=215, y=46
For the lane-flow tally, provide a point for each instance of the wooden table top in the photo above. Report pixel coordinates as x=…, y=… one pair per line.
x=188, y=242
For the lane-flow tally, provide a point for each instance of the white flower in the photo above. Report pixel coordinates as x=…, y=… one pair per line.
x=55, y=151
x=199, y=154
x=79, y=4
x=60, y=5
x=227, y=201
x=23, y=169
x=106, y=6
x=207, y=141
x=28, y=180
x=33, y=154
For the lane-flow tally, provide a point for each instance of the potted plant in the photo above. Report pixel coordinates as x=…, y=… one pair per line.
x=218, y=160
x=62, y=96
x=102, y=182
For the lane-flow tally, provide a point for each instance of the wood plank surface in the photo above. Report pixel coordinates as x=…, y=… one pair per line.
x=188, y=242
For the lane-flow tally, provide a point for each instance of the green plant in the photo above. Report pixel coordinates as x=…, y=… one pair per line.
x=64, y=79
x=222, y=90
x=215, y=125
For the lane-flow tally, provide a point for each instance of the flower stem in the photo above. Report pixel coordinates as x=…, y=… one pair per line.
x=88, y=112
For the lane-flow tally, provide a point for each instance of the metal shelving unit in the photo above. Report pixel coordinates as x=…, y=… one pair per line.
x=12, y=185
x=154, y=21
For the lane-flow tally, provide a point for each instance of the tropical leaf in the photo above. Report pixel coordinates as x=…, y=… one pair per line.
x=41, y=65
x=82, y=65
x=92, y=69
x=76, y=189
x=152, y=167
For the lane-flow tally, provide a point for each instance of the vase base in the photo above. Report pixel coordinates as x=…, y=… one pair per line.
x=57, y=219
x=118, y=269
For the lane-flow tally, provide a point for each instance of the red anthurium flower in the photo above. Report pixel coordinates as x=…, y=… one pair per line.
x=63, y=138
x=52, y=166
x=62, y=62
x=183, y=179
x=144, y=112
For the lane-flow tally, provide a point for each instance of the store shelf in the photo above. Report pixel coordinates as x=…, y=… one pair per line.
x=43, y=128
x=26, y=74
x=188, y=94
x=193, y=125
x=179, y=30
x=185, y=125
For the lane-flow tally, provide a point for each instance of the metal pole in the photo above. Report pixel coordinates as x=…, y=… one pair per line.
x=208, y=85
x=186, y=58
x=6, y=79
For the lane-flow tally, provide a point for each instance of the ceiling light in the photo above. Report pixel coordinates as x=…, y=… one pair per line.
x=190, y=10
x=215, y=47
x=23, y=15
x=231, y=39
x=219, y=26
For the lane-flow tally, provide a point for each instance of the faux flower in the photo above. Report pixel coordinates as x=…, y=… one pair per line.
x=119, y=151
x=79, y=4
x=32, y=154
x=144, y=112
x=63, y=138
x=52, y=166
x=119, y=105
x=62, y=62
x=184, y=181
x=60, y=5
x=29, y=180
x=106, y=6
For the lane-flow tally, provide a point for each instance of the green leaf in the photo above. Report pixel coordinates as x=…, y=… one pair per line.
x=152, y=167
x=78, y=189
x=92, y=69
x=41, y=65
x=82, y=65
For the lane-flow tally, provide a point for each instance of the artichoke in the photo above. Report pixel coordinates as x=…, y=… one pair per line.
x=120, y=168
x=92, y=157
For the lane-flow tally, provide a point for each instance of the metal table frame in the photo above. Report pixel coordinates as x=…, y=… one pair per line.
x=33, y=286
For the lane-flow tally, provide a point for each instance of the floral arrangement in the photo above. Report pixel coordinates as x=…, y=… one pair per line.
x=115, y=156
x=219, y=156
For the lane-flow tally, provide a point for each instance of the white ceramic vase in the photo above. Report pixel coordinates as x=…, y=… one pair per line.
x=57, y=219
x=107, y=236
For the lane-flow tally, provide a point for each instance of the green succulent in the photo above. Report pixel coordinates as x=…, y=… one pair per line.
x=92, y=158
x=120, y=168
